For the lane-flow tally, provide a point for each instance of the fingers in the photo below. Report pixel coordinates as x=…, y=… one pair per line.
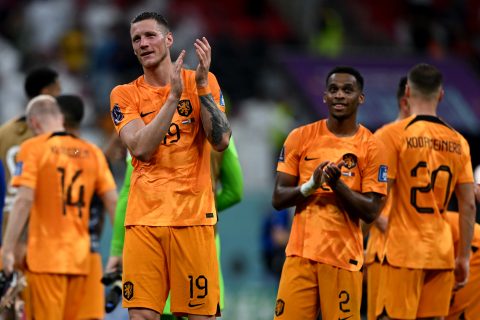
x=203, y=50
x=179, y=61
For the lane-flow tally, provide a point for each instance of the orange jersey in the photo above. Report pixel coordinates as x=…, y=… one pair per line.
x=64, y=172
x=174, y=188
x=322, y=231
x=452, y=219
x=12, y=134
x=431, y=158
x=376, y=239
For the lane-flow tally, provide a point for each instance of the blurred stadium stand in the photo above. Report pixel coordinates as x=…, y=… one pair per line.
x=270, y=57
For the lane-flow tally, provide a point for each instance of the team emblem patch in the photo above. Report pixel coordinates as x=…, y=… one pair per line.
x=184, y=108
x=279, y=307
x=222, y=100
x=128, y=290
x=18, y=168
x=383, y=173
x=117, y=115
x=350, y=160
x=281, y=157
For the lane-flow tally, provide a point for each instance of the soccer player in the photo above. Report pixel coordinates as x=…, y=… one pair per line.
x=42, y=80
x=333, y=172
x=56, y=175
x=465, y=302
x=376, y=240
x=227, y=177
x=431, y=160
x=93, y=302
x=170, y=118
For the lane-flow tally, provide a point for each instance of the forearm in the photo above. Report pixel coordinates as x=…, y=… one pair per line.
x=286, y=197
x=16, y=222
x=466, y=223
x=147, y=139
x=109, y=200
x=356, y=204
x=214, y=122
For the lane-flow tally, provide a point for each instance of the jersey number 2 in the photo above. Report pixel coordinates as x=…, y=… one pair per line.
x=67, y=192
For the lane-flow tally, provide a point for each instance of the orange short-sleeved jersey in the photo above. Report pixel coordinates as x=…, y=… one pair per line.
x=174, y=188
x=64, y=172
x=431, y=159
x=452, y=219
x=322, y=231
x=376, y=239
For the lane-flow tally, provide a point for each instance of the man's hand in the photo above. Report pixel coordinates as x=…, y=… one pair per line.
x=176, y=85
x=332, y=173
x=8, y=260
x=462, y=267
x=204, y=54
x=114, y=263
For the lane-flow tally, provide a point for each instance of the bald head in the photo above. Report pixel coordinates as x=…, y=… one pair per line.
x=44, y=115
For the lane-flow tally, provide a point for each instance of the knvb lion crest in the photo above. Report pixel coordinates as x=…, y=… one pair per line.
x=279, y=307
x=350, y=160
x=128, y=290
x=184, y=108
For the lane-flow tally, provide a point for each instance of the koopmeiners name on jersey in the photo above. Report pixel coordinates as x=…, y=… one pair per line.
x=72, y=152
x=435, y=144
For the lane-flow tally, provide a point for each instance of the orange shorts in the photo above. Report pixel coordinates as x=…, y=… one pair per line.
x=466, y=301
x=93, y=302
x=414, y=293
x=53, y=296
x=307, y=286
x=373, y=280
x=180, y=259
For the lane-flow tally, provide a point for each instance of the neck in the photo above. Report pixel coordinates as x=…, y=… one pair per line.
x=423, y=107
x=342, y=127
x=160, y=75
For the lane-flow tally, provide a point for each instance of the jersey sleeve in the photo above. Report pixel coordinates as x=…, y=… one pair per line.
x=289, y=157
x=118, y=234
x=26, y=168
x=216, y=91
x=466, y=172
x=122, y=107
x=231, y=179
x=375, y=171
x=386, y=137
x=105, y=181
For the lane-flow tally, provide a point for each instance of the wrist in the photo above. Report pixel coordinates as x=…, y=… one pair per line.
x=203, y=90
x=309, y=187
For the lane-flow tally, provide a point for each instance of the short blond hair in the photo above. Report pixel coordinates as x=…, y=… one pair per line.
x=42, y=105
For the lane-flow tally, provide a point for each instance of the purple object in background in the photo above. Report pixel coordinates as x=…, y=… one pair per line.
x=460, y=106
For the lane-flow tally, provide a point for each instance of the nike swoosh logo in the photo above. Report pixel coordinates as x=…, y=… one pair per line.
x=309, y=159
x=192, y=305
x=145, y=114
x=345, y=318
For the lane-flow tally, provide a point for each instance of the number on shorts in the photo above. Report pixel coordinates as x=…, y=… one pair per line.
x=344, y=297
x=201, y=283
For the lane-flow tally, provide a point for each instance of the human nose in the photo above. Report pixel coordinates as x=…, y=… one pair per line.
x=143, y=42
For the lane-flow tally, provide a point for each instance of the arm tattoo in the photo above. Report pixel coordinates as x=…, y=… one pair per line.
x=220, y=124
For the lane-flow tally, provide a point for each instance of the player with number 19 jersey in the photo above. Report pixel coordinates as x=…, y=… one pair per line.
x=177, y=182
x=432, y=158
x=64, y=171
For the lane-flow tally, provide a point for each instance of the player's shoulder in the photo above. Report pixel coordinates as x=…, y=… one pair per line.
x=37, y=141
x=127, y=88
